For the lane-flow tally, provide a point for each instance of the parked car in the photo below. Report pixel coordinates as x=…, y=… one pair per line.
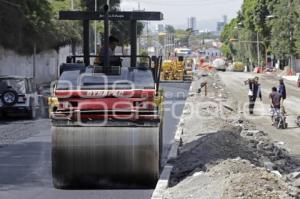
x=18, y=97
x=219, y=64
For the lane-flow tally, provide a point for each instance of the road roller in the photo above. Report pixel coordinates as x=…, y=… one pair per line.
x=107, y=120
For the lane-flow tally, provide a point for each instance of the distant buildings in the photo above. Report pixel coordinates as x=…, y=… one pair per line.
x=211, y=52
x=160, y=28
x=221, y=25
x=192, y=23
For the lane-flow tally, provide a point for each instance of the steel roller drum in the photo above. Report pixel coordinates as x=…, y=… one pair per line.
x=105, y=155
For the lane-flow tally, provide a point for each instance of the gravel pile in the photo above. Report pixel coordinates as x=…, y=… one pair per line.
x=232, y=178
x=252, y=182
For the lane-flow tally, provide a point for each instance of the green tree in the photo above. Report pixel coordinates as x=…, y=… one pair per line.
x=182, y=37
x=67, y=32
x=280, y=34
x=297, y=27
x=90, y=4
x=227, y=35
x=119, y=29
x=170, y=29
x=29, y=22
x=285, y=28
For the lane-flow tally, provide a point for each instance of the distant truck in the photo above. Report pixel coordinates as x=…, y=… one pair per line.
x=182, y=52
x=219, y=64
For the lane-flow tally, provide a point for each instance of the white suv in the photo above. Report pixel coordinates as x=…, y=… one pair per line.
x=18, y=96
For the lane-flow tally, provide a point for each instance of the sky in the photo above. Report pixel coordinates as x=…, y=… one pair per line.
x=176, y=12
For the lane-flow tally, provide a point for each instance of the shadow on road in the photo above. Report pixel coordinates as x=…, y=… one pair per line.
x=26, y=164
x=11, y=119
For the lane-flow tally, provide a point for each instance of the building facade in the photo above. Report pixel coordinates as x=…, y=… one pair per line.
x=192, y=23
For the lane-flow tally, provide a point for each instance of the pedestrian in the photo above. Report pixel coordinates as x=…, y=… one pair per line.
x=254, y=93
x=282, y=91
x=275, y=102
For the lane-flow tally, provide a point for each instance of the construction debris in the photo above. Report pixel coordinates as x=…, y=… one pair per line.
x=177, y=70
x=229, y=158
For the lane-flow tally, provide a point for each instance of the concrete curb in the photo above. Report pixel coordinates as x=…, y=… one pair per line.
x=164, y=178
x=162, y=183
x=174, y=81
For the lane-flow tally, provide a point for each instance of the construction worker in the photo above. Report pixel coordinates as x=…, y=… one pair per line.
x=282, y=92
x=282, y=89
x=112, y=44
x=254, y=93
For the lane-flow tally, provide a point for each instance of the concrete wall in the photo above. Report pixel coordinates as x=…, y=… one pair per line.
x=297, y=65
x=46, y=64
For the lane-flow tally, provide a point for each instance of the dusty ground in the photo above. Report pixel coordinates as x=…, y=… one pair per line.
x=224, y=155
x=289, y=137
x=15, y=130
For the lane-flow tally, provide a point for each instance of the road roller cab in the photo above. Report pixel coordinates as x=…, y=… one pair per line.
x=107, y=126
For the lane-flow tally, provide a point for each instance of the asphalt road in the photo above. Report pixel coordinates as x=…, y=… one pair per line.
x=25, y=156
x=289, y=137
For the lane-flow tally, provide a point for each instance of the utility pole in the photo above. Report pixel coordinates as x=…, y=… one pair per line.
x=95, y=30
x=73, y=45
x=258, y=50
x=106, y=34
x=147, y=33
x=72, y=4
x=290, y=38
x=240, y=46
x=34, y=61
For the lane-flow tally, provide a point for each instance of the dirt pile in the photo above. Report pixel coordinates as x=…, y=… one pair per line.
x=225, y=156
x=232, y=178
x=210, y=148
x=253, y=183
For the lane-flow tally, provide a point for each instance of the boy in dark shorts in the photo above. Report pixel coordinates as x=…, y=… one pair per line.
x=275, y=101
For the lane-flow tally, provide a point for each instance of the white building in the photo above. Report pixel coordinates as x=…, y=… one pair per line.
x=192, y=23
x=160, y=28
x=221, y=25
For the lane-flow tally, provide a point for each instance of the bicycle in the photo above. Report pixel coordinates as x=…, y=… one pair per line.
x=279, y=118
